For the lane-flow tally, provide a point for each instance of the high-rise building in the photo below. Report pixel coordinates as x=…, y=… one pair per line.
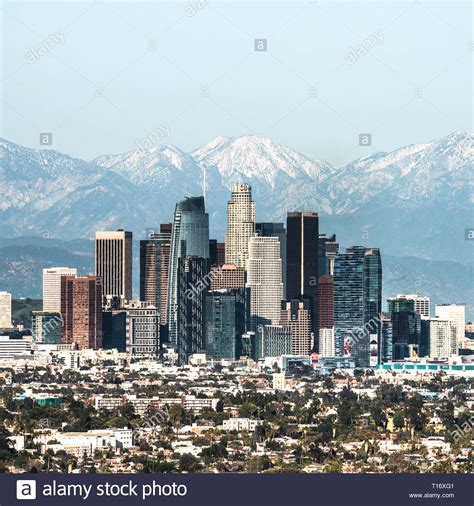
x=296, y=315
x=421, y=303
x=154, y=266
x=406, y=326
x=5, y=310
x=276, y=230
x=81, y=311
x=357, y=285
x=455, y=313
x=264, y=280
x=133, y=329
x=190, y=237
x=142, y=329
x=191, y=296
x=52, y=286
x=443, y=338
x=114, y=329
x=227, y=276
x=326, y=316
x=113, y=262
x=226, y=319
x=327, y=345
x=387, y=339
x=273, y=341
x=328, y=248
x=46, y=327
x=240, y=225
x=302, y=261
x=373, y=302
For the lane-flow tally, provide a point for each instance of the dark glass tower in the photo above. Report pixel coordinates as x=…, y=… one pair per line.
x=302, y=237
x=190, y=237
x=226, y=317
x=357, y=288
x=406, y=326
x=192, y=270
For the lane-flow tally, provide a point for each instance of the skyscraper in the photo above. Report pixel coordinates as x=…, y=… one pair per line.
x=276, y=230
x=190, y=237
x=154, y=265
x=456, y=313
x=240, y=225
x=264, y=280
x=373, y=302
x=406, y=326
x=328, y=248
x=5, y=310
x=443, y=338
x=357, y=303
x=326, y=316
x=52, y=286
x=296, y=315
x=81, y=311
x=226, y=319
x=302, y=235
x=190, y=305
x=113, y=263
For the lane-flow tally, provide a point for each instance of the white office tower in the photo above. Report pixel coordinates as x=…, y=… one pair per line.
x=265, y=281
x=443, y=340
x=5, y=310
x=240, y=225
x=52, y=287
x=455, y=313
x=327, y=345
x=422, y=303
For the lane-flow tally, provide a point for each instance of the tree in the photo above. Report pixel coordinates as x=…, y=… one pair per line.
x=398, y=420
x=188, y=463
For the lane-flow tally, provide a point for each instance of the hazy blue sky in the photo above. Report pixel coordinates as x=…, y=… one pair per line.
x=114, y=72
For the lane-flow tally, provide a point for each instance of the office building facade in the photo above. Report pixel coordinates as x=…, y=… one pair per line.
x=264, y=280
x=240, y=225
x=81, y=311
x=52, y=286
x=113, y=262
x=190, y=237
x=226, y=319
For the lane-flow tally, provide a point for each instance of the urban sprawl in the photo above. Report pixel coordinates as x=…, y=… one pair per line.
x=268, y=352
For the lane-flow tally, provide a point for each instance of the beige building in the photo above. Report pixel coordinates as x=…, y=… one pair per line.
x=240, y=225
x=113, y=263
x=52, y=286
x=5, y=310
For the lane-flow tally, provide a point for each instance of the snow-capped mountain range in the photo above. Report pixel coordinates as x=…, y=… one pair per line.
x=416, y=200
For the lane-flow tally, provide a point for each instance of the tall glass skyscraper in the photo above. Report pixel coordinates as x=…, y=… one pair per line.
x=358, y=304
x=302, y=236
x=190, y=237
x=226, y=317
